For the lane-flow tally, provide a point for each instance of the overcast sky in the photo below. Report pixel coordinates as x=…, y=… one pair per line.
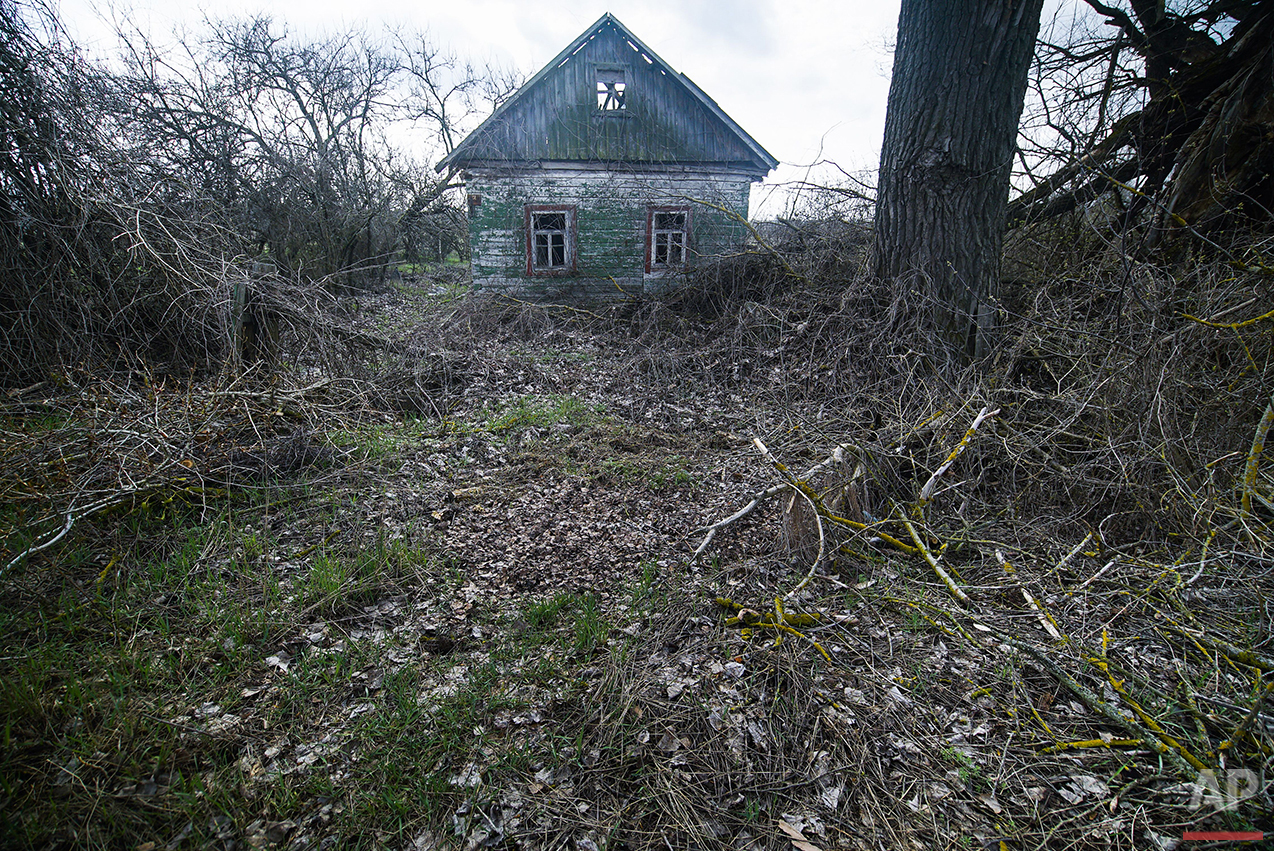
x=808, y=79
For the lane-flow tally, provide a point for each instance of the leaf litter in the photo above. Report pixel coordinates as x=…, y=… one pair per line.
x=556, y=667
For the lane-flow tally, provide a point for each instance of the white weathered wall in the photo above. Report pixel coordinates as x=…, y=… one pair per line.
x=610, y=222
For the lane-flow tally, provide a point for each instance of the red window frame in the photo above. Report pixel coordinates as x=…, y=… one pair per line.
x=570, y=236
x=651, y=266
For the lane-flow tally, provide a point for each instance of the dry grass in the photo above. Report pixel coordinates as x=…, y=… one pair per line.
x=612, y=703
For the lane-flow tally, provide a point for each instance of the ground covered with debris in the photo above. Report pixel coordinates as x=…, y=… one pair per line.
x=738, y=575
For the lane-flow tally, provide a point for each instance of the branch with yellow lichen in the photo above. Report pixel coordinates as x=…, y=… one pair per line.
x=1238, y=654
x=926, y=491
x=1183, y=766
x=1045, y=619
x=933, y=563
x=800, y=483
x=1254, y=457
x=1061, y=747
x=1233, y=326
x=780, y=621
x=1118, y=685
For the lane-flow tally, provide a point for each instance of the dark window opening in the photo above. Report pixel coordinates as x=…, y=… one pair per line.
x=550, y=221
x=612, y=90
x=668, y=235
x=550, y=238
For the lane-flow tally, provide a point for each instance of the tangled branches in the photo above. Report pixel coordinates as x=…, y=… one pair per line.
x=1088, y=524
x=146, y=448
x=99, y=262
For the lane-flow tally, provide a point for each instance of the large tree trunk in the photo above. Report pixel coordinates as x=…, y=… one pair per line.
x=954, y=102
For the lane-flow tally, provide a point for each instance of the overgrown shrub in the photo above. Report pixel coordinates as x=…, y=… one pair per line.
x=97, y=263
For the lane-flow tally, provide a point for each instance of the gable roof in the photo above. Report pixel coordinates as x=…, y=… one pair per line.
x=554, y=116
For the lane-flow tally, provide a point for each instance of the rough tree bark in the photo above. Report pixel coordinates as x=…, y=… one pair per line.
x=956, y=96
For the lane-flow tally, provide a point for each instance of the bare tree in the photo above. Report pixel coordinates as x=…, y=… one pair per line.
x=1168, y=110
x=128, y=193
x=289, y=130
x=297, y=136
x=446, y=92
x=99, y=258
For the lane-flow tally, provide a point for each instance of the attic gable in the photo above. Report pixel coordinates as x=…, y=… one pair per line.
x=608, y=98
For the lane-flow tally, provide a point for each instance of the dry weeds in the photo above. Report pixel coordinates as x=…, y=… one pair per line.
x=556, y=470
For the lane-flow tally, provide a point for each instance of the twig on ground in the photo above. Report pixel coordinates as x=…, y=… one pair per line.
x=1045, y=619
x=938, y=569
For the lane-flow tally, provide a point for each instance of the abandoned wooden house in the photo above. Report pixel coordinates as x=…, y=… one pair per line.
x=608, y=173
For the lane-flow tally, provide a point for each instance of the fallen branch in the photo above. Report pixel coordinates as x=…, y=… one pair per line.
x=1098, y=575
x=73, y=516
x=926, y=491
x=35, y=548
x=790, y=482
x=1250, y=718
x=1233, y=326
x=1118, y=685
x=1238, y=654
x=933, y=563
x=1045, y=619
x=1101, y=707
x=565, y=308
x=752, y=505
x=1070, y=556
x=1254, y=457
x=780, y=621
x=1062, y=747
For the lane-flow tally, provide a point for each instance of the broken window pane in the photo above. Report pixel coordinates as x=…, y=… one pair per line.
x=611, y=89
x=668, y=237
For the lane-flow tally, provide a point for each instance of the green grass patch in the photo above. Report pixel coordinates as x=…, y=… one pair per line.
x=542, y=412
x=551, y=355
x=659, y=475
x=127, y=645
x=647, y=591
x=574, y=621
x=378, y=441
x=969, y=772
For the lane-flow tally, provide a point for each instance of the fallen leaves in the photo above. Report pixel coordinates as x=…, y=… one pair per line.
x=797, y=838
